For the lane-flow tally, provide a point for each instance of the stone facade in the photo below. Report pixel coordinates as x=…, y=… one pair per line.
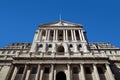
x=60, y=51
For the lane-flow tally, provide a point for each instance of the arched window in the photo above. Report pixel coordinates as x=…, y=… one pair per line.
x=60, y=49
x=61, y=76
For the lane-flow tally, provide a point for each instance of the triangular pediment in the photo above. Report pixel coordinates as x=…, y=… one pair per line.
x=60, y=23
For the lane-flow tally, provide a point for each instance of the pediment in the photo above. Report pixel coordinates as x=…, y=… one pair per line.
x=61, y=23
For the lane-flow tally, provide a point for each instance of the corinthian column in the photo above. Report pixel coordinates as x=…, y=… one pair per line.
x=24, y=73
x=69, y=72
x=54, y=35
x=41, y=74
x=72, y=35
x=27, y=74
x=40, y=34
x=14, y=73
x=83, y=37
x=80, y=35
x=52, y=72
x=48, y=36
x=38, y=72
x=82, y=72
x=66, y=35
x=96, y=72
x=109, y=72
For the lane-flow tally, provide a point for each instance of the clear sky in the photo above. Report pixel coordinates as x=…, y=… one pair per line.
x=20, y=18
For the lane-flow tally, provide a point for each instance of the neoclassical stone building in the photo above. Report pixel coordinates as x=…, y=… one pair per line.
x=60, y=51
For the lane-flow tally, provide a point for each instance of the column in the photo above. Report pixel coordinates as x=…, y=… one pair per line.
x=66, y=35
x=96, y=72
x=54, y=35
x=27, y=74
x=40, y=35
x=36, y=35
x=69, y=72
x=82, y=72
x=52, y=72
x=48, y=36
x=41, y=74
x=80, y=35
x=14, y=73
x=83, y=37
x=24, y=73
x=72, y=35
x=38, y=72
x=109, y=72
x=9, y=74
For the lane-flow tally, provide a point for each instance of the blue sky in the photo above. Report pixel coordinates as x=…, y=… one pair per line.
x=20, y=18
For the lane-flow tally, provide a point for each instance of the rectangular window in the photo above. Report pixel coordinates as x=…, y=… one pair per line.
x=75, y=70
x=100, y=70
x=87, y=70
x=34, y=70
x=21, y=70
x=47, y=70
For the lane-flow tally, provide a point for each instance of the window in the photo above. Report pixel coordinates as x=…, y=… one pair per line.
x=34, y=70
x=40, y=46
x=49, y=52
x=21, y=70
x=14, y=52
x=87, y=70
x=47, y=70
x=8, y=52
x=79, y=45
x=70, y=45
x=75, y=70
x=60, y=49
x=50, y=45
x=100, y=70
x=3, y=52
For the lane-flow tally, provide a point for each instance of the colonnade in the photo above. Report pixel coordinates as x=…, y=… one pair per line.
x=53, y=71
x=67, y=34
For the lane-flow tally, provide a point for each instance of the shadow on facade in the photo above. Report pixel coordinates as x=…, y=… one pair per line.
x=116, y=71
